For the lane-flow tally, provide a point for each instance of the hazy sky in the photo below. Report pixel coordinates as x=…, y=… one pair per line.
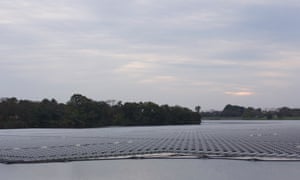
x=185, y=52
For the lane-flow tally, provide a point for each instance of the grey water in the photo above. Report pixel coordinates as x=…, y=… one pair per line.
x=175, y=169
x=151, y=169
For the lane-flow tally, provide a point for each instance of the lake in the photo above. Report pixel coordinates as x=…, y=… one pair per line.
x=153, y=169
x=273, y=139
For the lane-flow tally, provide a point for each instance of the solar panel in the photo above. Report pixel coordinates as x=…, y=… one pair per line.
x=257, y=140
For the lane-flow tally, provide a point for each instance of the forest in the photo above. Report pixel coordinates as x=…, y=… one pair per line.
x=244, y=113
x=82, y=112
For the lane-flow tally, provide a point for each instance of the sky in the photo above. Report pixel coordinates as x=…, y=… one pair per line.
x=177, y=52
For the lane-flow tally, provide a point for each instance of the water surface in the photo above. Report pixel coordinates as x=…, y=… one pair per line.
x=150, y=169
x=281, y=136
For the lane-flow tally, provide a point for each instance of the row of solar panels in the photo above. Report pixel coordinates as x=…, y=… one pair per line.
x=114, y=142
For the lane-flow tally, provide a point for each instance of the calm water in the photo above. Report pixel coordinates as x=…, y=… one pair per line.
x=173, y=169
x=154, y=169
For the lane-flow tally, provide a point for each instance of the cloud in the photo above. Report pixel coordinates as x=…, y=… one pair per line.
x=196, y=48
x=240, y=93
x=159, y=79
x=271, y=74
x=135, y=67
x=20, y=12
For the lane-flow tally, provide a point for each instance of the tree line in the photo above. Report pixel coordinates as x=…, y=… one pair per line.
x=82, y=112
x=240, y=112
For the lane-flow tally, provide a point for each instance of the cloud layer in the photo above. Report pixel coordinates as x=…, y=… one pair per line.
x=177, y=52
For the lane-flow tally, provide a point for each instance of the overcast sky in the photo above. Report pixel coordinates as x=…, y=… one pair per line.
x=177, y=52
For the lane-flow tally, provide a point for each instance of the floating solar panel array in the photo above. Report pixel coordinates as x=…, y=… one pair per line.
x=271, y=140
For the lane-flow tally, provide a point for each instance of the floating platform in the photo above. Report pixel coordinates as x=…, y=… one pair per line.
x=262, y=140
